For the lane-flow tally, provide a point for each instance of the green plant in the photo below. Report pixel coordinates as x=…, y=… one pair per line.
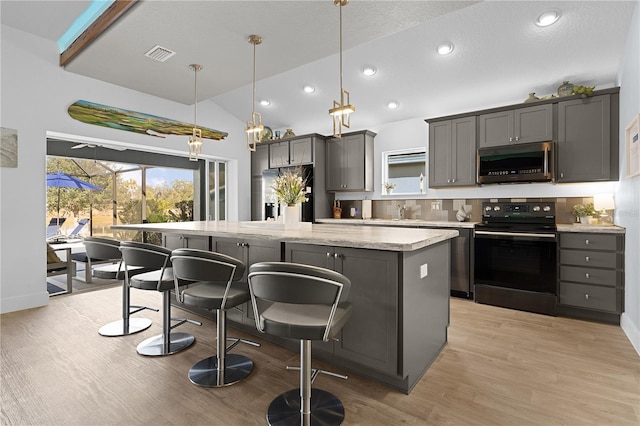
x=389, y=185
x=582, y=210
x=584, y=91
x=290, y=188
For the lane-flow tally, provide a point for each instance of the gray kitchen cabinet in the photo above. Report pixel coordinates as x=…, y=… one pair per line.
x=176, y=241
x=257, y=205
x=260, y=159
x=371, y=336
x=350, y=162
x=278, y=154
x=292, y=152
x=452, y=152
x=591, y=276
x=588, y=139
x=249, y=251
x=519, y=125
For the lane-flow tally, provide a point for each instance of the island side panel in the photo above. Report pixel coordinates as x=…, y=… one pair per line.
x=425, y=308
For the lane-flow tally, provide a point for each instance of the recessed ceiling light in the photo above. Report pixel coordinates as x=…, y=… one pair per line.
x=445, y=48
x=309, y=89
x=265, y=102
x=393, y=105
x=369, y=70
x=547, y=18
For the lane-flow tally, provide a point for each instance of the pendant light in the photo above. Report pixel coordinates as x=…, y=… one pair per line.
x=341, y=111
x=195, y=140
x=254, y=126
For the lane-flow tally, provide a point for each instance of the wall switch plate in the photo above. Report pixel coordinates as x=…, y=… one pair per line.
x=424, y=270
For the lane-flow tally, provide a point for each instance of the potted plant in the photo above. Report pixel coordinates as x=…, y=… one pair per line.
x=388, y=186
x=290, y=188
x=583, y=212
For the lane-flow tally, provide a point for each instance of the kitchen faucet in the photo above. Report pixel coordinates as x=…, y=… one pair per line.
x=402, y=211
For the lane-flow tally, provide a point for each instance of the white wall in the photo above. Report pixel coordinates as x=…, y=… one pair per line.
x=35, y=94
x=628, y=194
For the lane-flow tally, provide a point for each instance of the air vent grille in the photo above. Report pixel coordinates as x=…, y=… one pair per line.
x=159, y=53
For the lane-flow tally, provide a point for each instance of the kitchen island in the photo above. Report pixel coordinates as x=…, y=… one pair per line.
x=400, y=287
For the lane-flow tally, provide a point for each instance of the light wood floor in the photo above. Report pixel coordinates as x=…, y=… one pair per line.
x=501, y=367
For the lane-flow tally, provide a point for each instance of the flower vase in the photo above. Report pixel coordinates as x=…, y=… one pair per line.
x=291, y=216
x=585, y=220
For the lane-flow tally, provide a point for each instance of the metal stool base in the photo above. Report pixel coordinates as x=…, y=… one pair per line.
x=326, y=409
x=206, y=373
x=154, y=346
x=117, y=328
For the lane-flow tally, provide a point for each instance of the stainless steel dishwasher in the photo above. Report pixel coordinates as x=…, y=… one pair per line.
x=461, y=258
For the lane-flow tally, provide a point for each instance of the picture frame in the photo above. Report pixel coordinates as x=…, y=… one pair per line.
x=632, y=147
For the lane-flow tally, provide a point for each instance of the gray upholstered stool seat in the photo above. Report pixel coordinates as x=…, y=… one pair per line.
x=108, y=249
x=306, y=303
x=159, y=278
x=213, y=280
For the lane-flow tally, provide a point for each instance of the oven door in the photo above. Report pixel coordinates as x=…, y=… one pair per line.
x=516, y=260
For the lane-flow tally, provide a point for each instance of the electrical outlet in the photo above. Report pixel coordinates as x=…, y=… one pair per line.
x=424, y=270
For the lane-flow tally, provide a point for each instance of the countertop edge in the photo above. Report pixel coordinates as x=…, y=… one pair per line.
x=367, y=237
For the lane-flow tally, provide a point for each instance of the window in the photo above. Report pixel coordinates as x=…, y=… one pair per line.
x=404, y=170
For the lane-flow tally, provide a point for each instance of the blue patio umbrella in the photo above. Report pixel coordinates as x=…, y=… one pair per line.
x=63, y=180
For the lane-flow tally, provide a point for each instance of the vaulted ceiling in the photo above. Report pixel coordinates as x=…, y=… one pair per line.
x=500, y=54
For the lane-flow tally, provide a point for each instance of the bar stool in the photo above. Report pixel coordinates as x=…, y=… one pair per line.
x=217, y=287
x=160, y=278
x=307, y=303
x=104, y=249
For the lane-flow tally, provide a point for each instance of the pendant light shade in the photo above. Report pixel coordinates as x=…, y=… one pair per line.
x=254, y=126
x=341, y=111
x=195, y=140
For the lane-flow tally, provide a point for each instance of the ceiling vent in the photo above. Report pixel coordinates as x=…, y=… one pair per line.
x=159, y=53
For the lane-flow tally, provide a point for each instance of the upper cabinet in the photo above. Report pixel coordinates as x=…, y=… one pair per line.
x=588, y=139
x=350, y=162
x=452, y=152
x=292, y=152
x=259, y=159
x=519, y=125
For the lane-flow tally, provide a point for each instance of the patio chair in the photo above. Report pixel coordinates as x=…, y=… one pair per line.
x=56, y=266
x=78, y=228
x=54, y=226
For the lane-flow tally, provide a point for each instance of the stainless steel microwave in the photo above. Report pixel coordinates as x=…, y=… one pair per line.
x=526, y=162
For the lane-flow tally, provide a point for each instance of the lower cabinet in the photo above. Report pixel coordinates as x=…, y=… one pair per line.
x=249, y=251
x=370, y=337
x=591, y=276
x=175, y=241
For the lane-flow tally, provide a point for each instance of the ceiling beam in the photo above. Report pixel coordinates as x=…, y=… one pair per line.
x=100, y=25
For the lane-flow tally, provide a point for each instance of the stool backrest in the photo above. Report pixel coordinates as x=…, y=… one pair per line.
x=193, y=265
x=102, y=248
x=143, y=254
x=293, y=283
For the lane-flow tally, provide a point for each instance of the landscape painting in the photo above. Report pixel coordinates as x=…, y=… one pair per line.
x=133, y=121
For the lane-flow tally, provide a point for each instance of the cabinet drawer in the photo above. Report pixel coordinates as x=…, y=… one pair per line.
x=588, y=275
x=588, y=241
x=592, y=259
x=588, y=296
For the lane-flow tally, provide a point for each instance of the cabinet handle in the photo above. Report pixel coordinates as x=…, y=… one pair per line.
x=453, y=181
x=561, y=175
x=517, y=138
x=587, y=275
x=239, y=244
x=510, y=139
x=328, y=254
x=586, y=258
x=586, y=296
x=337, y=255
x=586, y=242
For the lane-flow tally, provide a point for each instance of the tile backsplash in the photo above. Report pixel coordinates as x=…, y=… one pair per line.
x=445, y=210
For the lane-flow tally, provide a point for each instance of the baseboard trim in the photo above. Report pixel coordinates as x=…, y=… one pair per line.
x=631, y=331
x=34, y=300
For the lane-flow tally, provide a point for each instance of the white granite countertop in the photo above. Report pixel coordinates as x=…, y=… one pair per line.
x=369, y=237
x=413, y=223
x=579, y=227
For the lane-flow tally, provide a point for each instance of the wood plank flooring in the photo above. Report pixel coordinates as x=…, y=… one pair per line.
x=501, y=367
